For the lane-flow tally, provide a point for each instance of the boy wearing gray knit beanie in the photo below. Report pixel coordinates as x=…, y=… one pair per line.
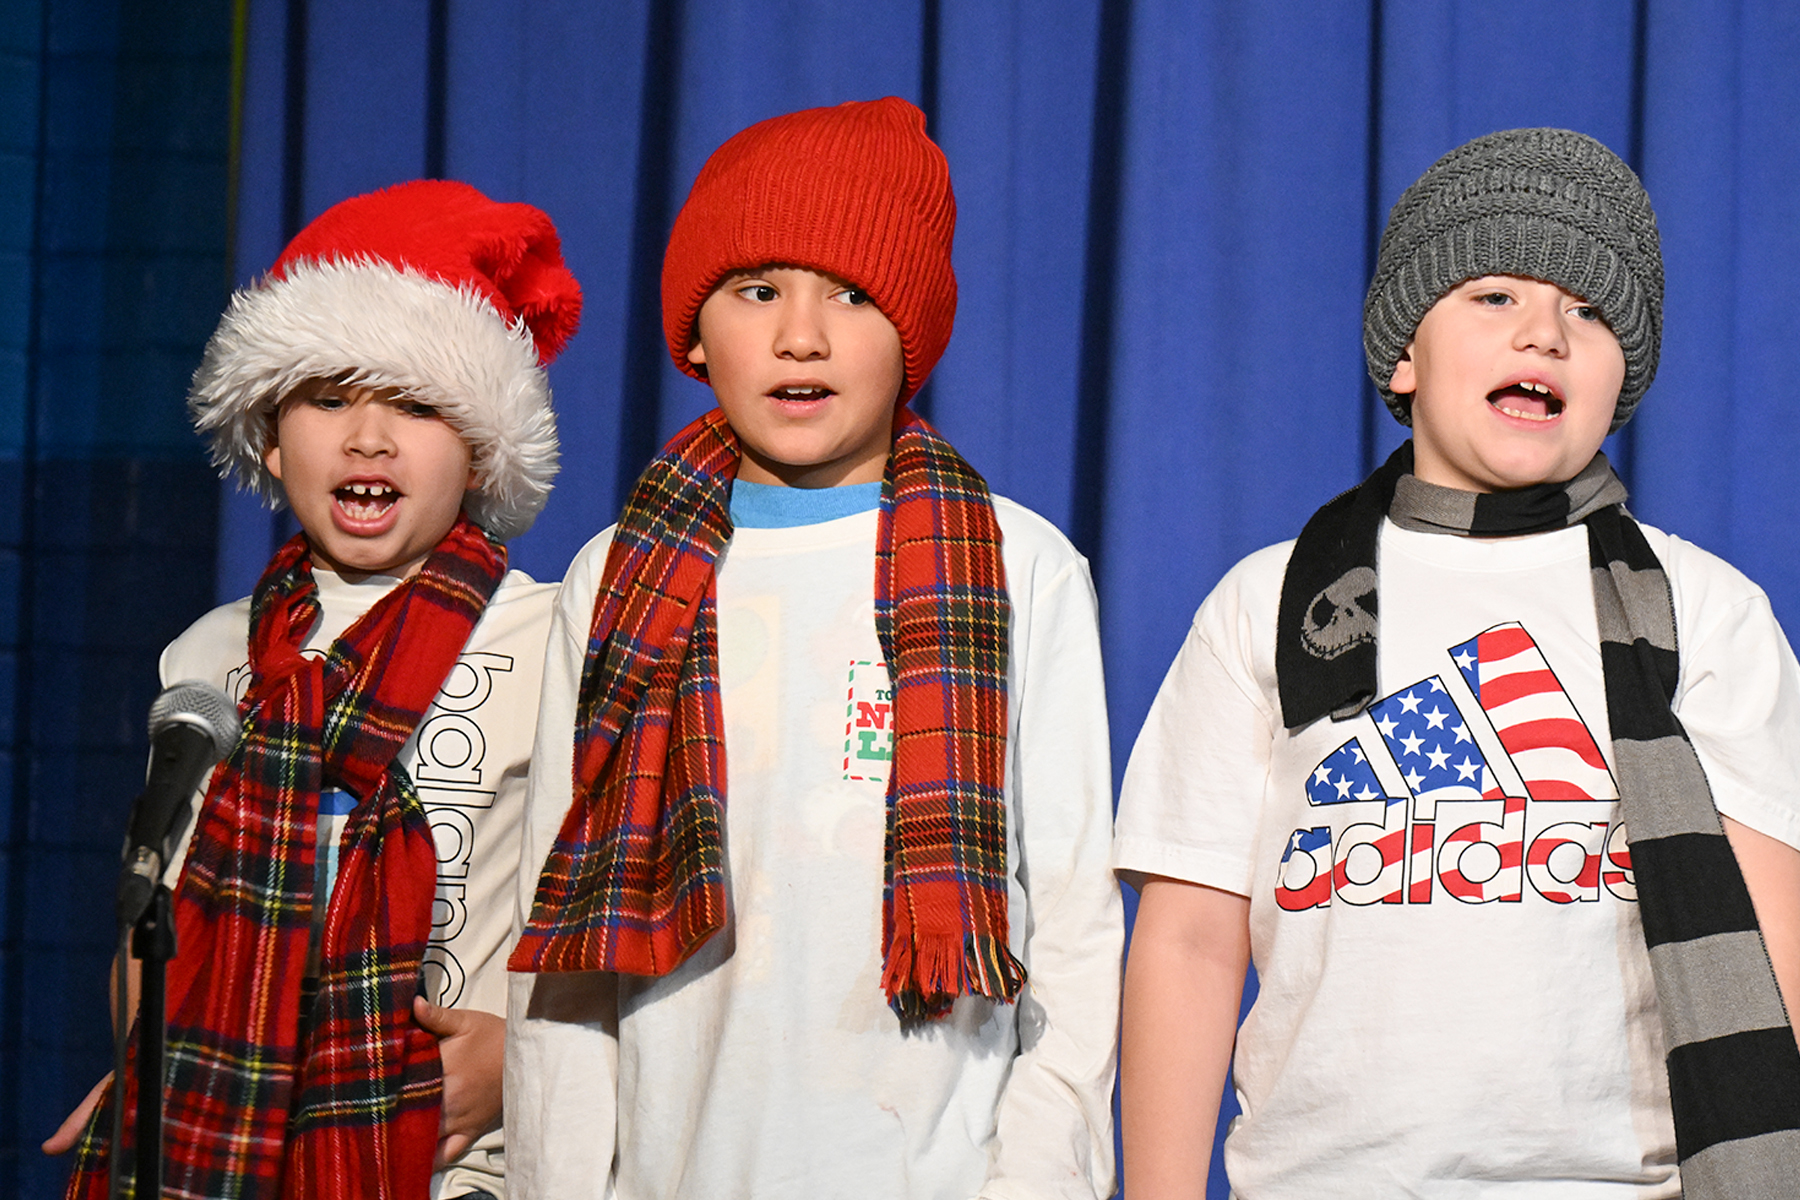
x=1498, y=789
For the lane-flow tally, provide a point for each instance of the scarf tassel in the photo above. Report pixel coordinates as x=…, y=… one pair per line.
x=925, y=974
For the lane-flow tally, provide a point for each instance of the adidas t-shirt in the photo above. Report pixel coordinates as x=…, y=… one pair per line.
x=1455, y=996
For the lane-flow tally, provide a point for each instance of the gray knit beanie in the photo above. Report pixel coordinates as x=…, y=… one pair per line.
x=1547, y=204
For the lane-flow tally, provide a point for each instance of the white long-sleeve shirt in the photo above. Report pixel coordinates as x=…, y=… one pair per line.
x=769, y=1064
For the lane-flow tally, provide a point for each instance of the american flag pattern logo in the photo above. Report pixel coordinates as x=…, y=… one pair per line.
x=1436, y=750
x=1305, y=879
x=1543, y=734
x=1399, y=855
x=1344, y=775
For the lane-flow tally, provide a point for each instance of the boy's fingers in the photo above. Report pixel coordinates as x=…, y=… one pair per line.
x=69, y=1132
x=443, y=1022
x=451, y=1147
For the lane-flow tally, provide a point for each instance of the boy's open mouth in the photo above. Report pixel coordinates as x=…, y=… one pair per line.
x=1528, y=400
x=802, y=393
x=365, y=501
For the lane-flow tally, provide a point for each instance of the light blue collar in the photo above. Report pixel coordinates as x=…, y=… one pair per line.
x=772, y=506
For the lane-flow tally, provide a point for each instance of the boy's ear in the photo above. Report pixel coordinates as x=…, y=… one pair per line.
x=272, y=424
x=1406, y=378
x=697, y=353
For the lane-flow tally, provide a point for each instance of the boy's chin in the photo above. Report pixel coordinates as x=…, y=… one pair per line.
x=1498, y=471
x=356, y=562
x=1515, y=477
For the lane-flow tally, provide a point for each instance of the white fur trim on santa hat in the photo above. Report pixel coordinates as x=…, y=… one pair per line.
x=370, y=324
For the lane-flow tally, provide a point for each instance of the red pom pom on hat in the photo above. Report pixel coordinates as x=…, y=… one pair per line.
x=428, y=287
x=857, y=191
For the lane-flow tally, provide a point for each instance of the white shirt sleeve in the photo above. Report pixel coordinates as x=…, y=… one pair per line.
x=562, y=1049
x=1739, y=695
x=1194, y=788
x=1054, y=1124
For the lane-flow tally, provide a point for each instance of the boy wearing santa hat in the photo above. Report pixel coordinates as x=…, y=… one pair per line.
x=336, y=1000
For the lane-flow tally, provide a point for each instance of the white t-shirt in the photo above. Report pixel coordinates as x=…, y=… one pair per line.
x=769, y=1064
x=1455, y=995
x=468, y=759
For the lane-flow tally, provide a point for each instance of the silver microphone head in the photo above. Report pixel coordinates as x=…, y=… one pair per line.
x=200, y=704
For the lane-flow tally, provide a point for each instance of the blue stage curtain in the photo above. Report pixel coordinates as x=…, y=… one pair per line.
x=1168, y=212
x=114, y=142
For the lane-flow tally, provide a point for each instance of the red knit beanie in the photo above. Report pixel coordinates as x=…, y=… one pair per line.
x=857, y=191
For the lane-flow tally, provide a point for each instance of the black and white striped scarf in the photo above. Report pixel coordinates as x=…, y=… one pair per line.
x=1734, y=1070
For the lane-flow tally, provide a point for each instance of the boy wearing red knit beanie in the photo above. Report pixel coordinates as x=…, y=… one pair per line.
x=821, y=792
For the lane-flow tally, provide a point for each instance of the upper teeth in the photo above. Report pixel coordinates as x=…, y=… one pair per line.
x=369, y=489
x=1529, y=386
x=800, y=391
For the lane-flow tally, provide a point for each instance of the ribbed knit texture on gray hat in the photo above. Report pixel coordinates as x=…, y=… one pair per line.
x=1547, y=204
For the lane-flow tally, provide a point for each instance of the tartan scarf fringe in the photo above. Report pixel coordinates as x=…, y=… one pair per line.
x=1733, y=1065
x=341, y=1102
x=635, y=880
x=925, y=975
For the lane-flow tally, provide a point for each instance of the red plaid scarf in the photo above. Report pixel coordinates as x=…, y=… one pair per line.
x=265, y=1100
x=636, y=879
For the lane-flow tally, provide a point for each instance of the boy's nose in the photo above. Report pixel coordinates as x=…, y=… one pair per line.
x=800, y=334
x=369, y=433
x=1542, y=327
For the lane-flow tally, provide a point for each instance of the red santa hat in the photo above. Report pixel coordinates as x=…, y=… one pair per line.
x=428, y=287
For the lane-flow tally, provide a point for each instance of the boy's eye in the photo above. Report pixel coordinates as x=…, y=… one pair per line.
x=762, y=293
x=1586, y=312
x=852, y=296
x=328, y=402
x=1493, y=299
x=417, y=408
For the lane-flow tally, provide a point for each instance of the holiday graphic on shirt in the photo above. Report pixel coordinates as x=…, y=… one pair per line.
x=1444, y=822
x=868, y=722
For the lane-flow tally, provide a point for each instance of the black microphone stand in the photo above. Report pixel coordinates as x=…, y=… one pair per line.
x=153, y=945
x=192, y=725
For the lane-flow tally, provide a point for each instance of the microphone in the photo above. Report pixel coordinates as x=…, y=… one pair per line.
x=192, y=726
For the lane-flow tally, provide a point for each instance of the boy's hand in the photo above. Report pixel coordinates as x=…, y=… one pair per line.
x=69, y=1132
x=473, y=1045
